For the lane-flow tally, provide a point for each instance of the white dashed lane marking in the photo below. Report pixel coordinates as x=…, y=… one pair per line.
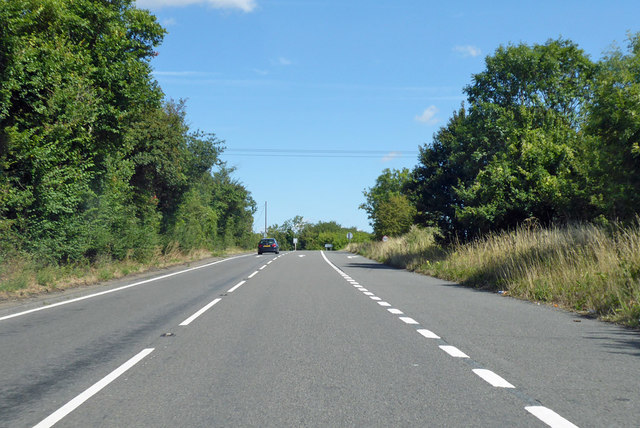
x=492, y=378
x=549, y=417
x=428, y=333
x=59, y=414
x=200, y=312
x=453, y=351
x=409, y=320
x=544, y=414
x=235, y=287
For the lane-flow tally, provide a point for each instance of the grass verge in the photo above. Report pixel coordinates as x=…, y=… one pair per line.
x=585, y=268
x=22, y=276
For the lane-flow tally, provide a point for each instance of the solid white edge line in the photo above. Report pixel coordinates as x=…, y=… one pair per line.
x=66, y=302
x=428, y=333
x=200, y=312
x=549, y=417
x=492, y=379
x=235, y=287
x=56, y=416
x=453, y=351
x=252, y=275
x=409, y=320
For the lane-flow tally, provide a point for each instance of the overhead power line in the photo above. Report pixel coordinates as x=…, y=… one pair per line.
x=328, y=153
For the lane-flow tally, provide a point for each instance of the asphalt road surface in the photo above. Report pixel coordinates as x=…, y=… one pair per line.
x=308, y=339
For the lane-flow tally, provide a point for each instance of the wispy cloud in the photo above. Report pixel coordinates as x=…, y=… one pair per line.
x=281, y=61
x=428, y=116
x=467, y=50
x=391, y=156
x=244, y=5
x=169, y=22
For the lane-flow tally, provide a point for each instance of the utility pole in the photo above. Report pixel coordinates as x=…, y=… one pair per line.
x=265, y=219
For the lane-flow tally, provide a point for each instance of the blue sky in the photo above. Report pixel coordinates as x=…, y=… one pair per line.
x=315, y=98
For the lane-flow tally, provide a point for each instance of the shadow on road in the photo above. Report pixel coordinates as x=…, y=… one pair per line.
x=625, y=342
x=372, y=266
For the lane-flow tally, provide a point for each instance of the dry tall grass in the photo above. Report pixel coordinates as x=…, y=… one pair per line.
x=589, y=269
x=21, y=276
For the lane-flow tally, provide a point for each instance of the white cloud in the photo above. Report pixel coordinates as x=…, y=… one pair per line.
x=281, y=61
x=428, y=116
x=169, y=22
x=391, y=156
x=244, y=5
x=468, y=50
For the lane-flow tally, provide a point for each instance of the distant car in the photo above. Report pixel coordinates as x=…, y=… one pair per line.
x=268, y=245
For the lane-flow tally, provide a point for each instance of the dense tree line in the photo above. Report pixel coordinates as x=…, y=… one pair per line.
x=93, y=160
x=314, y=236
x=546, y=135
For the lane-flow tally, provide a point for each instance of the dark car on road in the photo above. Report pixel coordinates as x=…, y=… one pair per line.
x=268, y=245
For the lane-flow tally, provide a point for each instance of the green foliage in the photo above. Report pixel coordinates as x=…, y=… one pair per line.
x=518, y=152
x=385, y=197
x=395, y=216
x=93, y=163
x=314, y=236
x=615, y=121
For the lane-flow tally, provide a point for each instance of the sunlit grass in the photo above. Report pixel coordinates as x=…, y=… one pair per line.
x=585, y=268
x=22, y=276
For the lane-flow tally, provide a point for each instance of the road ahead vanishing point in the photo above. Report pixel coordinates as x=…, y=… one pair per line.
x=308, y=339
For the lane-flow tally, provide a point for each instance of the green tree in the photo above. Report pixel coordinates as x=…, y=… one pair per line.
x=395, y=216
x=518, y=151
x=73, y=75
x=615, y=122
x=389, y=183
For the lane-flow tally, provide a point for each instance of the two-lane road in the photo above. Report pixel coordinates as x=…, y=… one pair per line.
x=310, y=339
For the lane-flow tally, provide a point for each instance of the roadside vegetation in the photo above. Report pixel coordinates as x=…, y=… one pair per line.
x=314, y=236
x=533, y=185
x=100, y=174
x=592, y=270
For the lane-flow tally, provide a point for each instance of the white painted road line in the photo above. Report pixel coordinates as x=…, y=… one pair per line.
x=262, y=267
x=252, y=275
x=428, y=334
x=453, y=351
x=235, y=287
x=56, y=416
x=544, y=414
x=66, y=302
x=549, y=417
x=409, y=320
x=492, y=378
x=200, y=312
